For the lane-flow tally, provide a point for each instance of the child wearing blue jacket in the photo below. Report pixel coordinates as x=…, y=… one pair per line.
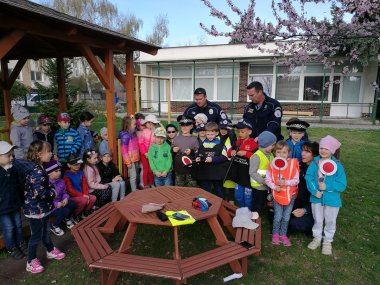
x=86, y=119
x=297, y=131
x=325, y=192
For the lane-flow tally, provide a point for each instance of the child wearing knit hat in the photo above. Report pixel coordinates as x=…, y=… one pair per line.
x=325, y=180
x=258, y=166
x=21, y=133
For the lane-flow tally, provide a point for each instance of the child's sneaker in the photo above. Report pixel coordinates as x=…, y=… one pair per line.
x=285, y=241
x=34, y=266
x=275, y=239
x=315, y=243
x=326, y=248
x=57, y=230
x=55, y=254
x=16, y=253
x=76, y=219
x=69, y=223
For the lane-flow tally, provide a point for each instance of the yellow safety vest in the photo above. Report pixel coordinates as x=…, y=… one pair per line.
x=263, y=167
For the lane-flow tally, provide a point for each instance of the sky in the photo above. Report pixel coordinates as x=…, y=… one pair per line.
x=186, y=15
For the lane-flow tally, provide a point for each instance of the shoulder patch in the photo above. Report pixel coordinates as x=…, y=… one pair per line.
x=250, y=110
x=277, y=112
x=211, y=111
x=223, y=116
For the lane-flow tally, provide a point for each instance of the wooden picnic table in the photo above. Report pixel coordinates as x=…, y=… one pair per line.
x=175, y=199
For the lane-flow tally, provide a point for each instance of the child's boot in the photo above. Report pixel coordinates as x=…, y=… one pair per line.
x=24, y=248
x=315, y=243
x=16, y=253
x=326, y=248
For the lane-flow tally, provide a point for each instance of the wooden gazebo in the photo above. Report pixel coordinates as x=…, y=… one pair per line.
x=32, y=31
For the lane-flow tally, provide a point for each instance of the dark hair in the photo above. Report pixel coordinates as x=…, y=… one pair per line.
x=212, y=126
x=255, y=84
x=171, y=126
x=139, y=116
x=86, y=116
x=311, y=146
x=36, y=147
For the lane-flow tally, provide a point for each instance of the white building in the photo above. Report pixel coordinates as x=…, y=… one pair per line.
x=225, y=71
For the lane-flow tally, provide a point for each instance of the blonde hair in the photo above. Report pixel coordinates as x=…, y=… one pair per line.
x=280, y=145
x=126, y=123
x=212, y=126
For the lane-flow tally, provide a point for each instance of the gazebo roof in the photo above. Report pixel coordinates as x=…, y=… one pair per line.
x=51, y=34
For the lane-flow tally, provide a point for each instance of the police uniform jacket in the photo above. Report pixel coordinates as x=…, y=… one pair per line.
x=213, y=112
x=266, y=118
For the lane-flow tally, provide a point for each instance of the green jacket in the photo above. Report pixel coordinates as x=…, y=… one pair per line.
x=160, y=158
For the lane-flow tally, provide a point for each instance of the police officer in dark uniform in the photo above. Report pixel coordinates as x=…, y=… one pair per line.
x=264, y=112
x=213, y=111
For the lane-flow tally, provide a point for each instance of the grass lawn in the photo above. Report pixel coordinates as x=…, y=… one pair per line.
x=356, y=247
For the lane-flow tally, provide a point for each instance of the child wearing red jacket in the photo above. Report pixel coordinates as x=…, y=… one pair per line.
x=77, y=188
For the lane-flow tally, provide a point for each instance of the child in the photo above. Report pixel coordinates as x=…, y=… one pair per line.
x=63, y=208
x=66, y=140
x=295, y=141
x=201, y=132
x=184, y=144
x=160, y=159
x=325, y=194
x=258, y=166
x=103, y=146
x=171, y=133
x=103, y=192
x=245, y=147
x=96, y=138
x=228, y=139
x=213, y=152
x=38, y=205
x=76, y=185
x=110, y=175
x=145, y=140
x=21, y=131
x=86, y=119
x=11, y=200
x=43, y=131
x=200, y=119
x=294, y=120
x=130, y=149
x=284, y=188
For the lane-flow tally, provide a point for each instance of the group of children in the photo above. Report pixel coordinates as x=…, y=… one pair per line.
x=234, y=168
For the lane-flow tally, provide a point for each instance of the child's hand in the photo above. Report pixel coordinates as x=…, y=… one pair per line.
x=241, y=153
x=163, y=174
x=158, y=174
x=187, y=151
x=176, y=149
x=281, y=182
x=299, y=212
x=233, y=152
x=322, y=186
x=318, y=194
x=129, y=166
x=278, y=188
x=65, y=201
x=59, y=205
x=208, y=159
x=55, y=157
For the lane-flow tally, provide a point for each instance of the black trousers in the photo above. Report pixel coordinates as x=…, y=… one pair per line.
x=259, y=198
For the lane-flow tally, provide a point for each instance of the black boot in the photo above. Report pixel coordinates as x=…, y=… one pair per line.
x=24, y=248
x=16, y=253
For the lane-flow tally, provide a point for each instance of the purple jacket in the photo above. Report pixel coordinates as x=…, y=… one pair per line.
x=60, y=188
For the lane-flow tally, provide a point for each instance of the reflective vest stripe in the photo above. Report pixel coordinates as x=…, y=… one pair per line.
x=263, y=167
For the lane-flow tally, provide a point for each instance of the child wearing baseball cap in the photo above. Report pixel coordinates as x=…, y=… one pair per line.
x=44, y=132
x=325, y=180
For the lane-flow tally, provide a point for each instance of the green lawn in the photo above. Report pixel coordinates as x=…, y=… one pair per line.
x=356, y=247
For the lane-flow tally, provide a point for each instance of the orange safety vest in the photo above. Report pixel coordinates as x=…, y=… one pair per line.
x=286, y=194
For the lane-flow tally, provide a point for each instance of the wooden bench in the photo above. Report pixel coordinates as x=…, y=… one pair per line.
x=253, y=237
x=298, y=113
x=157, y=267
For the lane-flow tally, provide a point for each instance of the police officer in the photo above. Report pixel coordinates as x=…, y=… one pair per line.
x=213, y=111
x=263, y=112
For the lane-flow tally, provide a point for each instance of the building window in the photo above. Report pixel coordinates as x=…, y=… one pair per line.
x=262, y=74
x=36, y=75
x=336, y=89
x=351, y=89
x=314, y=88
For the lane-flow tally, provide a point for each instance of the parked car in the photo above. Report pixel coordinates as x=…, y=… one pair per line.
x=31, y=100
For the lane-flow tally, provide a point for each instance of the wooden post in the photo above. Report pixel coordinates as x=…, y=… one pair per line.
x=110, y=104
x=129, y=83
x=61, y=85
x=6, y=94
x=137, y=94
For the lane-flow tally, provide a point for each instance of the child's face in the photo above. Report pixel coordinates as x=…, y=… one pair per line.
x=56, y=174
x=199, y=121
x=74, y=167
x=150, y=126
x=325, y=153
x=64, y=124
x=282, y=152
x=268, y=149
x=45, y=155
x=25, y=121
x=133, y=125
x=223, y=132
x=171, y=133
x=211, y=135
x=88, y=123
x=159, y=140
x=296, y=135
x=44, y=127
x=6, y=158
x=105, y=136
x=244, y=133
x=93, y=159
x=202, y=134
x=185, y=129
x=106, y=158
